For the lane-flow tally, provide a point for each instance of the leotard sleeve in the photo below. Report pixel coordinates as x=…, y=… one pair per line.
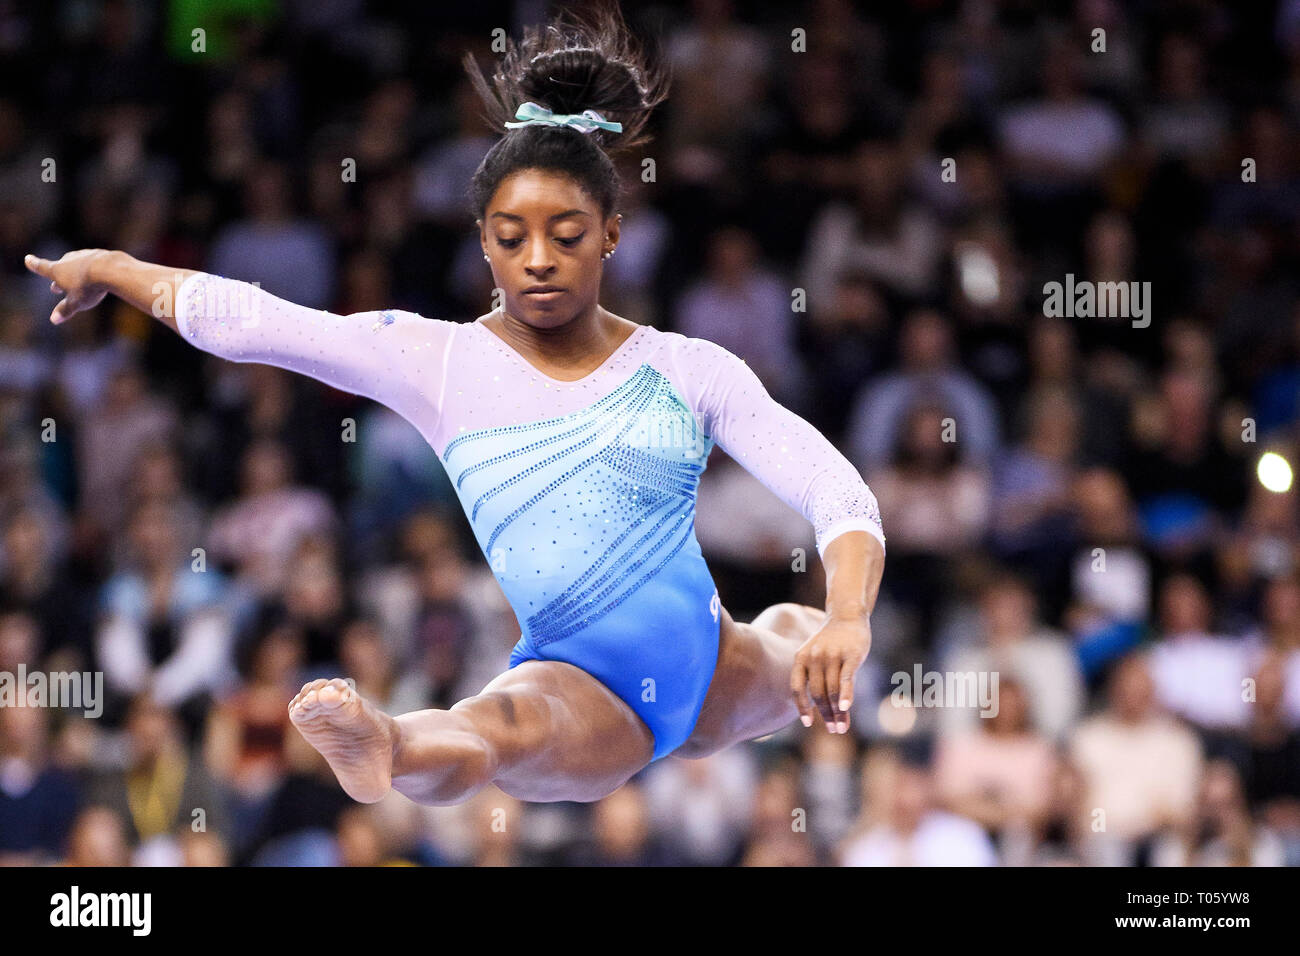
x=397, y=358
x=779, y=448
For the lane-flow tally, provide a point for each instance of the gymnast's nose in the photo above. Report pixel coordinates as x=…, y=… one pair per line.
x=539, y=262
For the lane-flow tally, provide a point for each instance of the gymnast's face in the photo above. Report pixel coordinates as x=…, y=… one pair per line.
x=542, y=229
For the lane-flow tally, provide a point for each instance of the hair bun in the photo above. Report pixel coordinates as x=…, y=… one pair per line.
x=578, y=63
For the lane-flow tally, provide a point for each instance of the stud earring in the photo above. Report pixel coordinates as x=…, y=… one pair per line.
x=487, y=258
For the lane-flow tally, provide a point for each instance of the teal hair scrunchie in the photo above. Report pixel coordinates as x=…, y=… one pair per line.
x=585, y=122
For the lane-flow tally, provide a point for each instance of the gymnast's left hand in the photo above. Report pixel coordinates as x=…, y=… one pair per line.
x=824, y=669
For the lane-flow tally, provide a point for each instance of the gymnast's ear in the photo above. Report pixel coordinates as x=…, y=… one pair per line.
x=612, y=225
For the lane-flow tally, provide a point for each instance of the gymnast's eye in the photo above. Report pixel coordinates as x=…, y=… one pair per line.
x=509, y=243
x=574, y=241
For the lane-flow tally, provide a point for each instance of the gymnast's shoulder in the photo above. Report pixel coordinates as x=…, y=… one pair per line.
x=694, y=355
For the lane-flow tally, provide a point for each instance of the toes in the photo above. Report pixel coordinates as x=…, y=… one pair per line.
x=334, y=694
x=321, y=695
x=307, y=688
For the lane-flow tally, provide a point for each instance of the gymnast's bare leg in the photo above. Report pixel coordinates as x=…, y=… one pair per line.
x=750, y=693
x=542, y=731
x=546, y=730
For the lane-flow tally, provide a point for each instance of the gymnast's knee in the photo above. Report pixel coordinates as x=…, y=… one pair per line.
x=780, y=617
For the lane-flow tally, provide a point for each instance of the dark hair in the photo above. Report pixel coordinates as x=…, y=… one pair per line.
x=573, y=64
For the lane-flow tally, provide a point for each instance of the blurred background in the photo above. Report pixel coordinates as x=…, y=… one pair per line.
x=1097, y=535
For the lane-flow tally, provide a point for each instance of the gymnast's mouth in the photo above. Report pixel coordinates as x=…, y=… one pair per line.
x=542, y=290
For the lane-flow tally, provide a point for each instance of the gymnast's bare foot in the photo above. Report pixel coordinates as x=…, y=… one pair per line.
x=355, y=738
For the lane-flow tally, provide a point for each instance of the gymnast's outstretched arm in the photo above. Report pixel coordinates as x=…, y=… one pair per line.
x=396, y=358
x=798, y=464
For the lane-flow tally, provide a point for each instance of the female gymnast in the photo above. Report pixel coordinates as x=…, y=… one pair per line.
x=575, y=440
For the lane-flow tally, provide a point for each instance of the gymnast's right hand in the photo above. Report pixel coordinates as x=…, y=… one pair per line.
x=73, y=277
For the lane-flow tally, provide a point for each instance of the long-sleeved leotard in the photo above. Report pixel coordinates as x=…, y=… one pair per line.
x=581, y=494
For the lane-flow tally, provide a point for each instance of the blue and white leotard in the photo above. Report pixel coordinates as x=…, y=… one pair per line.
x=581, y=494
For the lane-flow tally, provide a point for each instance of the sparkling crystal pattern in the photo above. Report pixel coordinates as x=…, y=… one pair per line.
x=613, y=485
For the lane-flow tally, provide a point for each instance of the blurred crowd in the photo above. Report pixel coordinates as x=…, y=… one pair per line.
x=1070, y=503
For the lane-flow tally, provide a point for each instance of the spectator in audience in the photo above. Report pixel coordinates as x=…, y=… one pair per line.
x=910, y=830
x=1032, y=483
x=203, y=848
x=830, y=782
x=1065, y=829
x=745, y=308
x=1268, y=758
x=1181, y=476
x=457, y=625
x=1279, y=631
x=939, y=508
x=702, y=806
x=34, y=580
x=1200, y=675
x=259, y=532
x=397, y=473
x=1059, y=143
x=109, y=443
x=631, y=281
x=1015, y=644
x=1056, y=367
x=287, y=256
x=1002, y=773
x=20, y=642
x=441, y=173
x=930, y=373
x=38, y=799
x=1221, y=833
x=778, y=834
x=25, y=368
x=26, y=487
x=317, y=602
x=1140, y=767
x=1186, y=121
x=496, y=820
x=720, y=66
x=245, y=744
x=164, y=630
x=1110, y=573
x=362, y=840
x=364, y=658
x=621, y=834
x=881, y=232
x=88, y=361
x=162, y=788
x=159, y=477
x=298, y=827
x=98, y=838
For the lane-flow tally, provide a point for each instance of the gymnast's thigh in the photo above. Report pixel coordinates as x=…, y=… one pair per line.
x=560, y=733
x=750, y=692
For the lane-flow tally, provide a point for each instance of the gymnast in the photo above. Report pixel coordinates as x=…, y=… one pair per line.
x=575, y=440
